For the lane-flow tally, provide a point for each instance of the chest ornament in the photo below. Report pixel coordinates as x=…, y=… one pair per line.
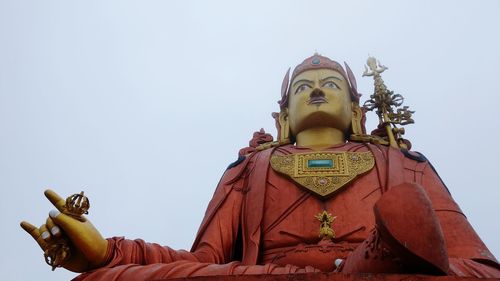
x=325, y=230
x=323, y=173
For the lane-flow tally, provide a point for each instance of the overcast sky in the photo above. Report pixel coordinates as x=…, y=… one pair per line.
x=143, y=104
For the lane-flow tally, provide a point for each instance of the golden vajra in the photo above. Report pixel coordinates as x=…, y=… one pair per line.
x=59, y=251
x=325, y=230
x=386, y=102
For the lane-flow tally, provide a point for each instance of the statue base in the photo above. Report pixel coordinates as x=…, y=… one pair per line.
x=330, y=277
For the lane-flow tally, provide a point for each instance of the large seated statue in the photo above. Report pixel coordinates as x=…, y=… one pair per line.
x=325, y=196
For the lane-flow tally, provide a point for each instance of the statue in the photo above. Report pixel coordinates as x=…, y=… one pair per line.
x=324, y=197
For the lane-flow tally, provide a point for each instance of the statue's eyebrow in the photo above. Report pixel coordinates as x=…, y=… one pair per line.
x=331, y=77
x=302, y=80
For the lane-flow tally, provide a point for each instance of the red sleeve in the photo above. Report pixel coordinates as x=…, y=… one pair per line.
x=124, y=251
x=182, y=269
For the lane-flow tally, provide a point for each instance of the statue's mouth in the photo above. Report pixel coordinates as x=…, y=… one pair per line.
x=317, y=100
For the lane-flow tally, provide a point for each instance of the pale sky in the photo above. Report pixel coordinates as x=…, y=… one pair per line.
x=143, y=104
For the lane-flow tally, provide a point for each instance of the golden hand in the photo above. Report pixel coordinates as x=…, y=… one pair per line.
x=87, y=248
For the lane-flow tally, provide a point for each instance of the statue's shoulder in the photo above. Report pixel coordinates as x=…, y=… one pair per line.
x=248, y=158
x=409, y=155
x=414, y=155
x=258, y=143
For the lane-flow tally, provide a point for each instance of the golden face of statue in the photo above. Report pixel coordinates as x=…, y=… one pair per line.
x=319, y=98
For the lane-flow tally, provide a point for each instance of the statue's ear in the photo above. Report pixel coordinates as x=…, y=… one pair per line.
x=357, y=118
x=284, y=133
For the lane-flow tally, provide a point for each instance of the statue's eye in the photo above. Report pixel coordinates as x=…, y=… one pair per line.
x=302, y=88
x=331, y=85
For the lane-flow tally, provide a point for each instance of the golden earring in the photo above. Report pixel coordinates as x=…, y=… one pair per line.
x=357, y=115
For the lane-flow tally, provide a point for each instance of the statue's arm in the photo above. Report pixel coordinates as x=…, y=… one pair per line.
x=465, y=249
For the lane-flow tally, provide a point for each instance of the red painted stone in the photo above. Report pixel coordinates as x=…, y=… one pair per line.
x=332, y=277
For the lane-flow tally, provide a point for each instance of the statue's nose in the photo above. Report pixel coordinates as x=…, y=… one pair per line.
x=317, y=93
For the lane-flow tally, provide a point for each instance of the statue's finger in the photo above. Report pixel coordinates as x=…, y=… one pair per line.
x=53, y=228
x=55, y=199
x=62, y=220
x=44, y=232
x=31, y=229
x=35, y=233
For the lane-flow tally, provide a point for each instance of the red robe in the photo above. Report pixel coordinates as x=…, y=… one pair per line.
x=260, y=222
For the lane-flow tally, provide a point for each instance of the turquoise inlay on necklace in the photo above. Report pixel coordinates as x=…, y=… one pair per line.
x=320, y=163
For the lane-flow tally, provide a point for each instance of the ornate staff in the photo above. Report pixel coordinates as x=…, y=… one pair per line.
x=387, y=106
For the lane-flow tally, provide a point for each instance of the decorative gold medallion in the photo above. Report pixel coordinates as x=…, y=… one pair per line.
x=325, y=229
x=323, y=172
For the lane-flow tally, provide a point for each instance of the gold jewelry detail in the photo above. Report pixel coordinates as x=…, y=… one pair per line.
x=267, y=145
x=323, y=172
x=77, y=205
x=369, y=138
x=325, y=230
x=59, y=251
